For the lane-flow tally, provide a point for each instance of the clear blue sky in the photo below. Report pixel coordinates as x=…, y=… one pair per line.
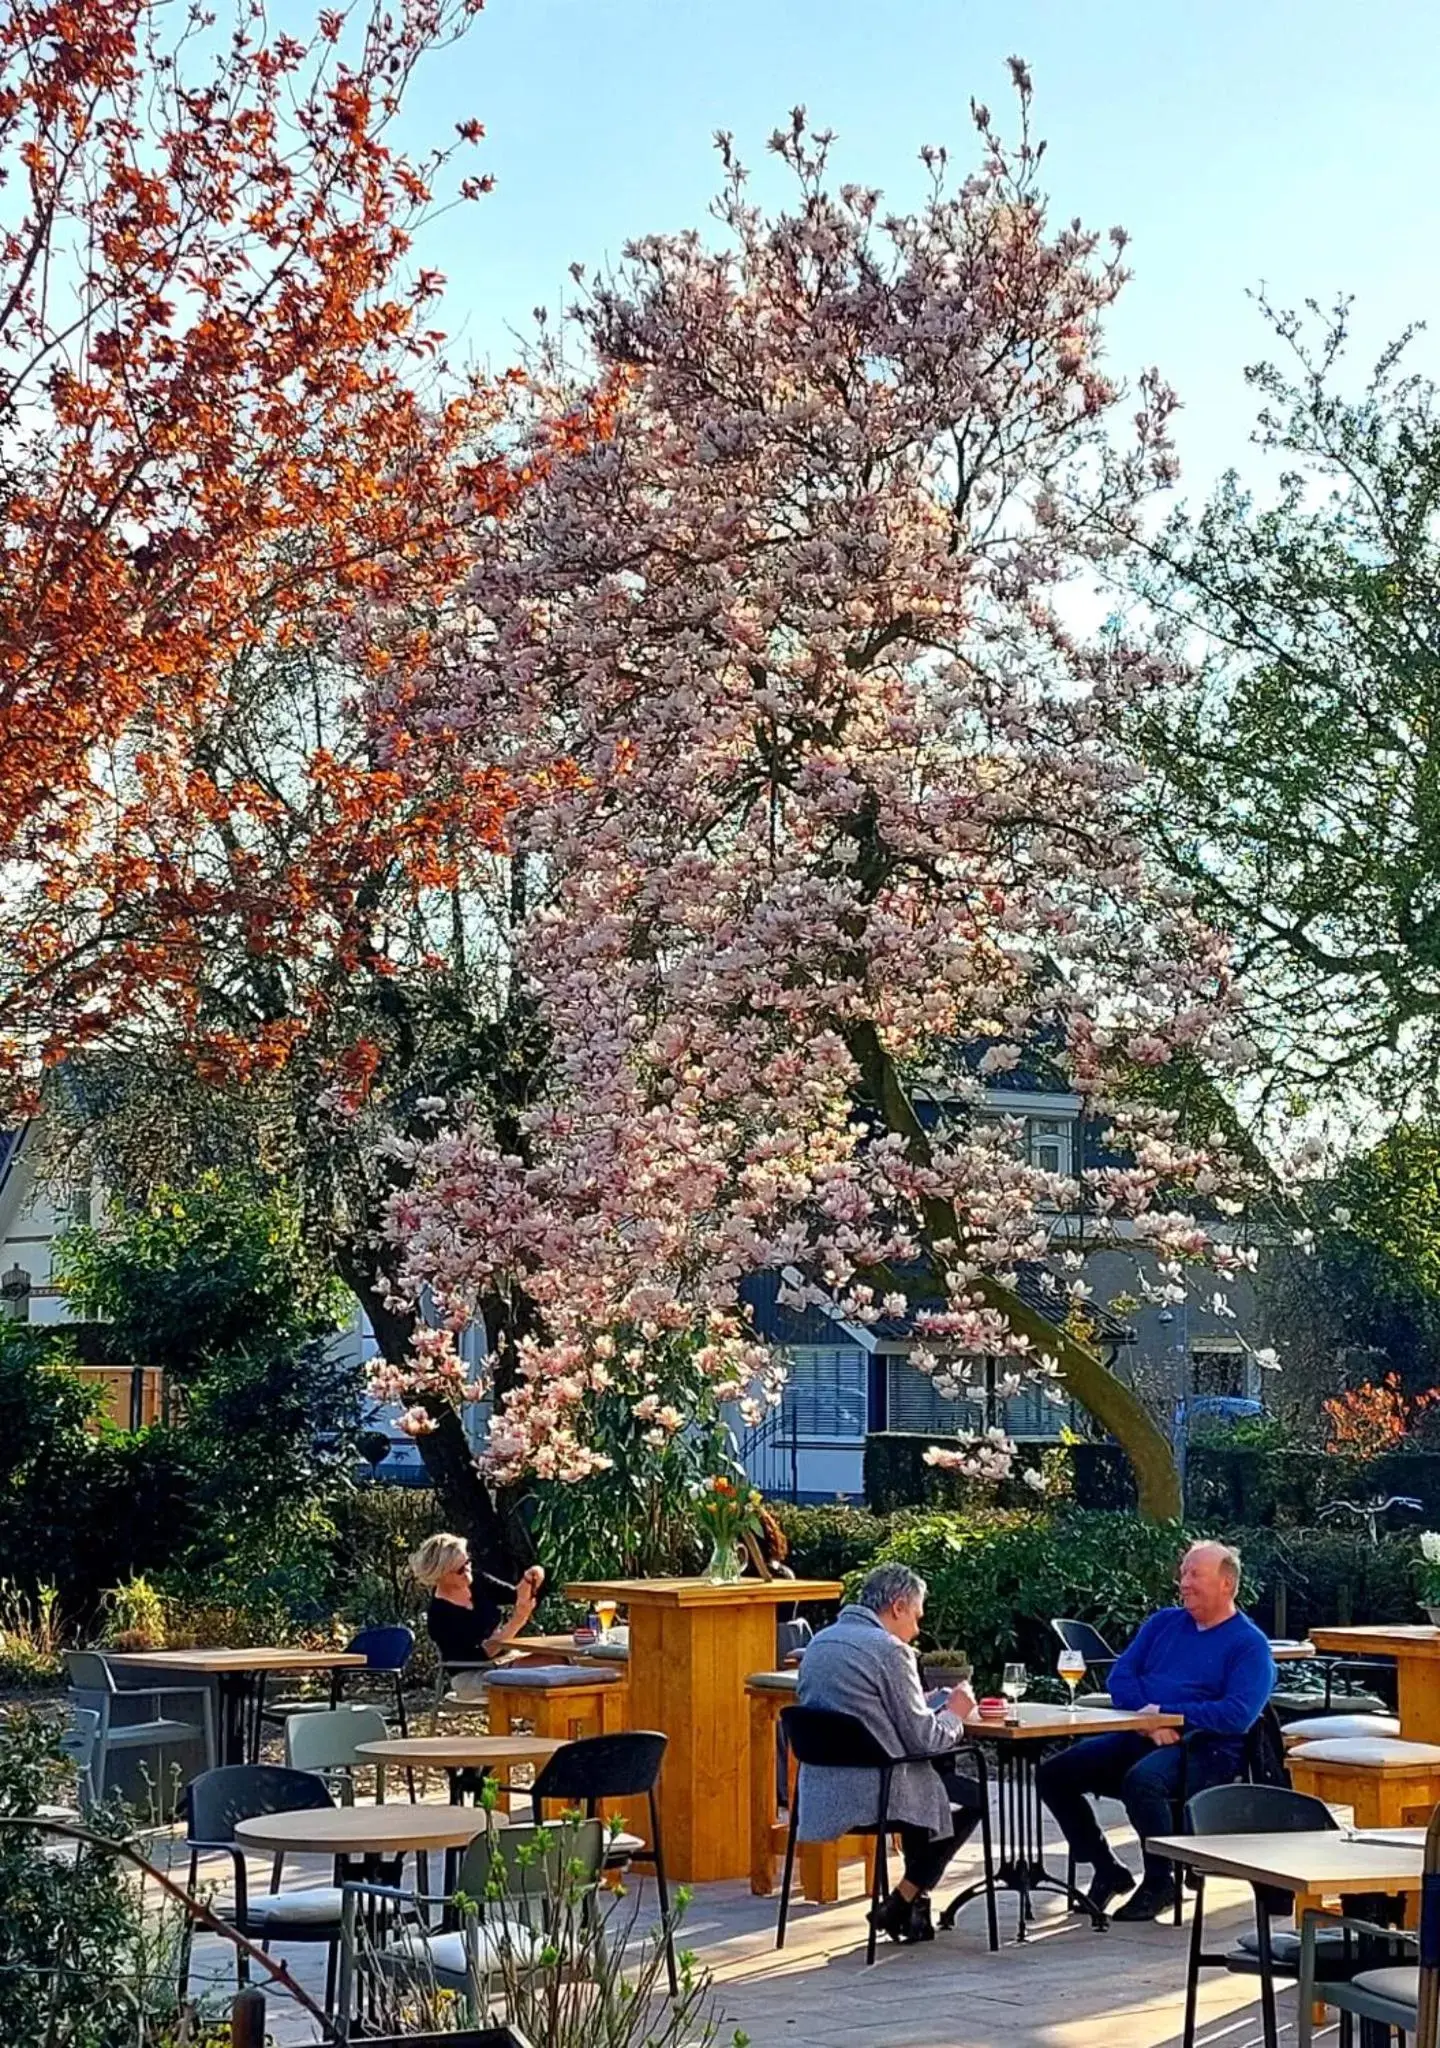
x=1238, y=140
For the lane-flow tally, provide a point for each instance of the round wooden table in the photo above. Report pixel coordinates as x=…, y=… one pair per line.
x=354, y=1831
x=456, y=1755
x=370, y=1842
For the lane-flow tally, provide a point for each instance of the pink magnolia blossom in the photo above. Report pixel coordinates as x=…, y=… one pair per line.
x=817, y=784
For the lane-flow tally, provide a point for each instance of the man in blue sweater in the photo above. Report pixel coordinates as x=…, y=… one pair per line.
x=1203, y=1659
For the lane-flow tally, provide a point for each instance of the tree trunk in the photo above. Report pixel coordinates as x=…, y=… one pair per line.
x=1084, y=1372
x=492, y=1527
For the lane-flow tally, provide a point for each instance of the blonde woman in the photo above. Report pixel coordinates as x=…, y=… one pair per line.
x=464, y=1621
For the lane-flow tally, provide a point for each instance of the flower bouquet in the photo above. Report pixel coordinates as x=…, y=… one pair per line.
x=1427, y=1573
x=724, y=1512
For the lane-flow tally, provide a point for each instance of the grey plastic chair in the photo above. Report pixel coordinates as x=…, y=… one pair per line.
x=505, y=1878
x=91, y=1674
x=327, y=1744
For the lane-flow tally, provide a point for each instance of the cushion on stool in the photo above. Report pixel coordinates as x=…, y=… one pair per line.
x=553, y=1677
x=1367, y=1752
x=1300, y=1702
x=772, y=1681
x=1400, y=1981
x=1340, y=1727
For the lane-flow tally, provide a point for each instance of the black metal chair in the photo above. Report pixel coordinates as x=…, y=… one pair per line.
x=623, y=1766
x=1257, y=1810
x=215, y=1803
x=830, y=1741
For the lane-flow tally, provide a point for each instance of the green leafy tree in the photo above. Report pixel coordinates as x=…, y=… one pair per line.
x=1297, y=788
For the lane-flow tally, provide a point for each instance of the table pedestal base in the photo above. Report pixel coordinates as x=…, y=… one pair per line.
x=1020, y=1865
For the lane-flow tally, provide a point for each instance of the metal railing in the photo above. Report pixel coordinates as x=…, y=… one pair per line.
x=770, y=1453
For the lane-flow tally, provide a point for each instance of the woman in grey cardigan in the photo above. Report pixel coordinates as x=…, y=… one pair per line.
x=864, y=1665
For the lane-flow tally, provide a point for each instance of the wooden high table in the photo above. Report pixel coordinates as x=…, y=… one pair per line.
x=1416, y=1650
x=693, y=1644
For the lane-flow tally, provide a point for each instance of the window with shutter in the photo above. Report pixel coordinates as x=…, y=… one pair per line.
x=825, y=1390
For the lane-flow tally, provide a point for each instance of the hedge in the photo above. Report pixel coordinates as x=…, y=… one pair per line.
x=896, y=1475
x=999, y=1577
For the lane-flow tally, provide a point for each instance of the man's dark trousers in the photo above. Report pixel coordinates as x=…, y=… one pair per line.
x=1149, y=1777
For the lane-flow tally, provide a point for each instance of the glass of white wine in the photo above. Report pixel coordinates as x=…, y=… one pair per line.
x=1015, y=1683
x=1071, y=1667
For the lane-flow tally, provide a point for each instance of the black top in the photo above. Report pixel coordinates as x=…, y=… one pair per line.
x=460, y=1633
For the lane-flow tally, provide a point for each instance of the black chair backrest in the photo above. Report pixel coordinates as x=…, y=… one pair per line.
x=832, y=1741
x=1265, y=1750
x=1256, y=1810
x=216, y=1800
x=1079, y=1635
x=603, y=1767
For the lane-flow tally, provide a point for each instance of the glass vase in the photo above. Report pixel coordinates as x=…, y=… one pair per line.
x=726, y=1564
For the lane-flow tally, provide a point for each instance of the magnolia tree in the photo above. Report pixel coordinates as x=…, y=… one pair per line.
x=844, y=828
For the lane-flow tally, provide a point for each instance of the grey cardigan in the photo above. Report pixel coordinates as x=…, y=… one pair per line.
x=857, y=1667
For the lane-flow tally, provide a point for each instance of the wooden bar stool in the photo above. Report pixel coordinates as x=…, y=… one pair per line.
x=768, y=1693
x=1383, y=1780
x=564, y=1701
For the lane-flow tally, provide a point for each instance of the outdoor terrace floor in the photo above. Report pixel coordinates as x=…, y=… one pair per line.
x=1065, y=1987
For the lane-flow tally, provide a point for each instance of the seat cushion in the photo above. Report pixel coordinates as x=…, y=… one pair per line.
x=622, y=1845
x=317, y=1906
x=445, y=1954
x=554, y=1677
x=1332, y=1962
x=1367, y=1752
x=1312, y=1701
x=139, y=1734
x=1340, y=1727
x=773, y=1681
x=1400, y=1981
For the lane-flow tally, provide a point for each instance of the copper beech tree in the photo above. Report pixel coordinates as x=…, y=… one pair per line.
x=850, y=829
x=215, y=439
x=235, y=486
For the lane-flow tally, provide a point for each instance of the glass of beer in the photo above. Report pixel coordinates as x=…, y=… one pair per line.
x=605, y=1609
x=1071, y=1667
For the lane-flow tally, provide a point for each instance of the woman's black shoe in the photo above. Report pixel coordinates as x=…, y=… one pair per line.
x=892, y=1917
x=903, y=1919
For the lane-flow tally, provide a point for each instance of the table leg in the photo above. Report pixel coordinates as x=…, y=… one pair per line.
x=231, y=1691
x=763, y=1718
x=256, y=1705
x=1267, y=1974
x=1020, y=1865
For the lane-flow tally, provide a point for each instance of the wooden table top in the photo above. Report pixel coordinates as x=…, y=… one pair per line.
x=559, y=1649
x=1291, y=1653
x=365, y=1830
x=221, y=1661
x=704, y=1592
x=461, y=1752
x=1040, y=1722
x=1381, y=1639
x=1324, y=1861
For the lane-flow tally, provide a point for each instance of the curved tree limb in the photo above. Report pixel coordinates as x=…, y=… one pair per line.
x=1085, y=1374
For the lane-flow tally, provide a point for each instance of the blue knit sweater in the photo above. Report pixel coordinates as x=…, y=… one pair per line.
x=1219, y=1678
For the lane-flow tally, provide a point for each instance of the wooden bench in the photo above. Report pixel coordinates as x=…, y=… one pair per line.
x=580, y=1704
x=769, y=1693
x=1383, y=1780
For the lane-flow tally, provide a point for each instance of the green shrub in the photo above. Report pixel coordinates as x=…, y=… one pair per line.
x=997, y=1580
x=830, y=1542
x=1328, y=1575
x=82, y=1961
